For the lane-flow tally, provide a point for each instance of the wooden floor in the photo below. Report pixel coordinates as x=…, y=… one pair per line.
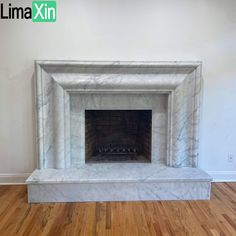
x=214, y=217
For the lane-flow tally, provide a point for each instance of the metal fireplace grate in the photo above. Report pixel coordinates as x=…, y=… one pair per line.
x=113, y=149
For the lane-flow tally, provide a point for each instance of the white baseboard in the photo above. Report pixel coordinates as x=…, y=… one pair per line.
x=223, y=176
x=10, y=179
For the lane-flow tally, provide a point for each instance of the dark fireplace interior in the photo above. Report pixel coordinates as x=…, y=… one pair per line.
x=118, y=136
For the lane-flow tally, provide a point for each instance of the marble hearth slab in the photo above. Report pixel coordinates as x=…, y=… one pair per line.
x=118, y=182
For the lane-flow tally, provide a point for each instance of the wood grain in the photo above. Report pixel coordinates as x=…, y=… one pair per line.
x=214, y=217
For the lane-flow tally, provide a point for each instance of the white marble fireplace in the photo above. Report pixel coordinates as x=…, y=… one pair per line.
x=117, y=131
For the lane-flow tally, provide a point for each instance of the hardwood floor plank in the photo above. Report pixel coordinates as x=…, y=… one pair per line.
x=79, y=218
x=108, y=215
x=214, y=217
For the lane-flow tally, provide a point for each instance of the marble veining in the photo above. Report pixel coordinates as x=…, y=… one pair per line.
x=155, y=102
x=77, y=192
x=118, y=172
x=58, y=83
x=118, y=182
x=65, y=89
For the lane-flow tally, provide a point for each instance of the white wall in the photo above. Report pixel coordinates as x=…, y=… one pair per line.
x=169, y=30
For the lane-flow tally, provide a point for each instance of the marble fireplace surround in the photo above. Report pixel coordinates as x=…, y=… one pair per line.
x=117, y=85
x=57, y=80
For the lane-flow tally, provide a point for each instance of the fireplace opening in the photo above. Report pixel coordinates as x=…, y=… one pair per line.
x=118, y=136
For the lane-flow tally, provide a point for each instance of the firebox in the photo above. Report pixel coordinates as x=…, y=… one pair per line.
x=118, y=136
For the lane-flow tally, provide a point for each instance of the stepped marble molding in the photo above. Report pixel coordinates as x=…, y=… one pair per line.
x=58, y=82
x=65, y=89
